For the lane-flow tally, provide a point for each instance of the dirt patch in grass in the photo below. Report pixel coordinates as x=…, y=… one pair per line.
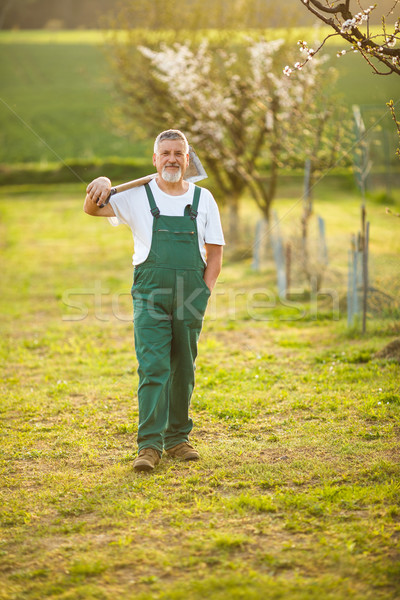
x=391, y=351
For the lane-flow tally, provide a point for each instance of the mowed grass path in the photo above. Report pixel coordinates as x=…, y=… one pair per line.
x=297, y=492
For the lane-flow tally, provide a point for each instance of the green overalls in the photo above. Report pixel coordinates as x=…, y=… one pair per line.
x=169, y=300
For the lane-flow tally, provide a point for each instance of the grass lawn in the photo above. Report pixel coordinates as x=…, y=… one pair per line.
x=297, y=493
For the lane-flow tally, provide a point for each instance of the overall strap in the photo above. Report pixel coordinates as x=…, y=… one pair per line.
x=155, y=211
x=195, y=205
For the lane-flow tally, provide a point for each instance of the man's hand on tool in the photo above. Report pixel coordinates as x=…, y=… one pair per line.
x=97, y=193
x=99, y=190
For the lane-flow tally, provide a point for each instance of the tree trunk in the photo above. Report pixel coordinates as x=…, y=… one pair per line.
x=267, y=211
x=233, y=221
x=305, y=218
x=3, y=12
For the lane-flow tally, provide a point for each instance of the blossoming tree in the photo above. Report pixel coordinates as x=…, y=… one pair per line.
x=352, y=22
x=238, y=110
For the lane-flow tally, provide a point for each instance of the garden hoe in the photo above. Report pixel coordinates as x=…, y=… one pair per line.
x=195, y=172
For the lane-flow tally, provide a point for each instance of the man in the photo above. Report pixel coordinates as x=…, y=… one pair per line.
x=177, y=258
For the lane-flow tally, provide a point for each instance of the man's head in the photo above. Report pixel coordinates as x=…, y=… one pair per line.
x=171, y=134
x=171, y=155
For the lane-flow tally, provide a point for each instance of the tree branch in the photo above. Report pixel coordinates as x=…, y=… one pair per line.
x=340, y=8
x=346, y=25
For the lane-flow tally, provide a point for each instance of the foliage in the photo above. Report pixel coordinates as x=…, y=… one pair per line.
x=378, y=50
x=391, y=106
x=206, y=14
x=296, y=495
x=35, y=14
x=70, y=171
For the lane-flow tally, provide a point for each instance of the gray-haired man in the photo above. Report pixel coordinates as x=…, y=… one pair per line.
x=178, y=243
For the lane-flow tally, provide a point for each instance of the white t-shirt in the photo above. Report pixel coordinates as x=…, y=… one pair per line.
x=132, y=208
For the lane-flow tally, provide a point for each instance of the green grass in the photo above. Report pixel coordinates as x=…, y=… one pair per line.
x=57, y=95
x=55, y=104
x=297, y=492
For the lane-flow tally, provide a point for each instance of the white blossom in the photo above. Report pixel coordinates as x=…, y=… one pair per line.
x=269, y=120
x=261, y=58
x=347, y=25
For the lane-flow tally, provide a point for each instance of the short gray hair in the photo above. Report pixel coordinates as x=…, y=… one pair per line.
x=171, y=134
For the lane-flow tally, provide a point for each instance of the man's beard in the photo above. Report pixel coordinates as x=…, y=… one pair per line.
x=171, y=177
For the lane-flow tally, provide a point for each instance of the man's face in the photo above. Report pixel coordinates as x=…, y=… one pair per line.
x=171, y=161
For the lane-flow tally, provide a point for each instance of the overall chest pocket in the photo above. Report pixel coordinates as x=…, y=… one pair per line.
x=176, y=243
x=175, y=249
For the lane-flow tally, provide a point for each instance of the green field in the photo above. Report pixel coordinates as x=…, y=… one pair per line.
x=297, y=493
x=54, y=104
x=57, y=96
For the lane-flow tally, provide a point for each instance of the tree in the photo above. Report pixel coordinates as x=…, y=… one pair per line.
x=354, y=27
x=351, y=22
x=326, y=139
x=238, y=110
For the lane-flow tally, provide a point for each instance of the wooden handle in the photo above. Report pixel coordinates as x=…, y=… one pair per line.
x=127, y=186
x=134, y=183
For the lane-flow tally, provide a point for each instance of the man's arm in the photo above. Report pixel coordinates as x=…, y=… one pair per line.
x=96, y=193
x=214, y=264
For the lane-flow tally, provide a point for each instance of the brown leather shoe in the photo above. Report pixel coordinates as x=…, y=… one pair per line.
x=146, y=460
x=183, y=451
